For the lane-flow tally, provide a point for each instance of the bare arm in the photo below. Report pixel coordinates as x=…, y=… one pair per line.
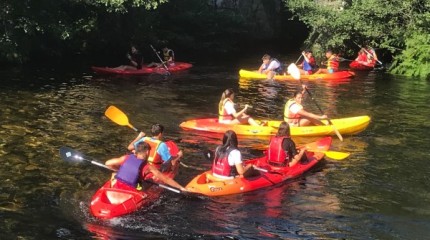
x=169, y=181
x=131, y=145
x=302, y=112
x=114, y=163
x=297, y=157
x=242, y=169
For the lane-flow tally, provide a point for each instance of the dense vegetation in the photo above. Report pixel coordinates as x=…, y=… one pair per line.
x=395, y=28
x=52, y=30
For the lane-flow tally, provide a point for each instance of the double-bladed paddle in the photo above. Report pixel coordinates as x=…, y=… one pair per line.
x=70, y=155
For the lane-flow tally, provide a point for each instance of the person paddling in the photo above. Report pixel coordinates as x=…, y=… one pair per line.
x=332, y=63
x=134, y=168
x=227, y=112
x=295, y=115
x=228, y=163
x=135, y=60
x=270, y=66
x=308, y=64
x=282, y=149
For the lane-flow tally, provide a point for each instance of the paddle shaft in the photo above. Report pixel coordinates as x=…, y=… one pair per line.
x=368, y=53
x=161, y=60
x=322, y=112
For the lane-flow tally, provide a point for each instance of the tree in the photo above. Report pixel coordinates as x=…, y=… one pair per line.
x=379, y=23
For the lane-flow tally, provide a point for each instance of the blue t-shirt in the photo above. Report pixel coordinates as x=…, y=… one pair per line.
x=162, y=149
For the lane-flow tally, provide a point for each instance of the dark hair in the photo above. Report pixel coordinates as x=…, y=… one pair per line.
x=296, y=93
x=142, y=147
x=265, y=56
x=226, y=94
x=229, y=140
x=283, y=130
x=157, y=129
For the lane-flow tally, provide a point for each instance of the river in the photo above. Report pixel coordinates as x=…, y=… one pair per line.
x=382, y=191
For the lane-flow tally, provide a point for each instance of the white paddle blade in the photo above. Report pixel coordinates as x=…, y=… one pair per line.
x=294, y=71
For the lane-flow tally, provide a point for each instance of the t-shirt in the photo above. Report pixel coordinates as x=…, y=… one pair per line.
x=162, y=149
x=290, y=147
x=229, y=108
x=295, y=108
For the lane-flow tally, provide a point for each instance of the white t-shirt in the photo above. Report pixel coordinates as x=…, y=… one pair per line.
x=234, y=157
x=295, y=108
x=229, y=109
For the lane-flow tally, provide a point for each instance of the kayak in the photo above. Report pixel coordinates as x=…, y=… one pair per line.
x=109, y=202
x=209, y=185
x=361, y=65
x=179, y=66
x=348, y=126
x=331, y=76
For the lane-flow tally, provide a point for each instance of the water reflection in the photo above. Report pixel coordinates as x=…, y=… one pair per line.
x=380, y=191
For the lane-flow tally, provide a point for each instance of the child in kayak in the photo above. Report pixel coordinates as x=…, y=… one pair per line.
x=295, y=115
x=227, y=163
x=270, y=66
x=134, y=168
x=308, y=63
x=282, y=149
x=135, y=58
x=227, y=112
x=332, y=63
x=160, y=155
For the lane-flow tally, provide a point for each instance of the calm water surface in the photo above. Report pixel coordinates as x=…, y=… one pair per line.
x=380, y=192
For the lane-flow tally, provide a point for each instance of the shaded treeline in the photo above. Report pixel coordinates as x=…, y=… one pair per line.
x=100, y=32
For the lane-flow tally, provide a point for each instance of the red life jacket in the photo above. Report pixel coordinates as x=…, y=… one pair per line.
x=276, y=154
x=223, y=115
x=220, y=165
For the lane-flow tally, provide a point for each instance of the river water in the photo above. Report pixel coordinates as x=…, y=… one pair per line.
x=382, y=191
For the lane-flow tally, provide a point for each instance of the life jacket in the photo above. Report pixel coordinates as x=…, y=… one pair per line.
x=276, y=154
x=220, y=165
x=278, y=69
x=308, y=66
x=223, y=115
x=166, y=55
x=333, y=63
x=130, y=170
x=154, y=157
x=290, y=117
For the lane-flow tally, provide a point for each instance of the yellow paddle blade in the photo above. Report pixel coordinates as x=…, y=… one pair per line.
x=294, y=71
x=117, y=116
x=336, y=155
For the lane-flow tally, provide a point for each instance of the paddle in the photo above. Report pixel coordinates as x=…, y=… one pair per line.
x=161, y=60
x=369, y=53
x=335, y=155
x=71, y=155
x=295, y=72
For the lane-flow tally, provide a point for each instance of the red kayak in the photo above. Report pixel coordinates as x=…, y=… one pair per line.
x=361, y=65
x=179, y=66
x=209, y=185
x=109, y=202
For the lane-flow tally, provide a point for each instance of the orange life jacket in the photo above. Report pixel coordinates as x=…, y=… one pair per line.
x=333, y=63
x=154, y=157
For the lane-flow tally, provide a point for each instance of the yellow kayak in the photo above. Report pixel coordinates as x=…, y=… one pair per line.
x=332, y=76
x=347, y=126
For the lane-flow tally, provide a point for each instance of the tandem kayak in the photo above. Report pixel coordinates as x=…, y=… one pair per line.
x=332, y=76
x=209, y=185
x=361, y=65
x=109, y=202
x=179, y=66
x=348, y=126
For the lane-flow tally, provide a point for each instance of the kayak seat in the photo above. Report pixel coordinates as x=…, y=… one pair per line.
x=117, y=197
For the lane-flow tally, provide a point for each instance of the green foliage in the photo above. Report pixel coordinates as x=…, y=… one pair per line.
x=379, y=23
x=415, y=59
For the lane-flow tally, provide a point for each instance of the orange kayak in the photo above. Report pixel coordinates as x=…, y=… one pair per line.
x=209, y=185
